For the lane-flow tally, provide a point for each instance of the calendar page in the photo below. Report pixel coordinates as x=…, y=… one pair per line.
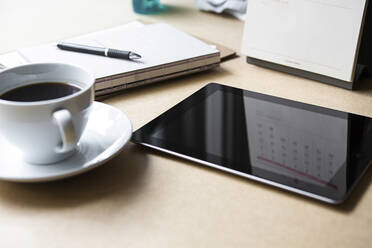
x=319, y=36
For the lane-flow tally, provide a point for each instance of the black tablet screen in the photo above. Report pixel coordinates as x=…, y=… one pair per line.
x=312, y=150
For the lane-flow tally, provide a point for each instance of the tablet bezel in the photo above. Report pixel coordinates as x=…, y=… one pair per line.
x=142, y=136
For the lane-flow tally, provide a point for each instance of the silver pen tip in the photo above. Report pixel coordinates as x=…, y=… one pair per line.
x=133, y=55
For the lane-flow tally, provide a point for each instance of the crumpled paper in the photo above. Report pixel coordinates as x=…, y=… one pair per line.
x=237, y=8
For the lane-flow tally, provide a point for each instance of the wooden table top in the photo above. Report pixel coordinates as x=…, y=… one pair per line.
x=144, y=198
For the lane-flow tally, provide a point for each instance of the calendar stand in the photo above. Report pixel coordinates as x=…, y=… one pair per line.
x=363, y=67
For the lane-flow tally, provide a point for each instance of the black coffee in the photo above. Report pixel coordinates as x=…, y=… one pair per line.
x=39, y=92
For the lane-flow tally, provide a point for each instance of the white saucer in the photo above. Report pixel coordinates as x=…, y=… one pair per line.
x=107, y=131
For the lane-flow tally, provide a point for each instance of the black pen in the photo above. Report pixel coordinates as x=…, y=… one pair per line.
x=108, y=52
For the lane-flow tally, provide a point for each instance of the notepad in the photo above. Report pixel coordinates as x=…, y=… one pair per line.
x=166, y=53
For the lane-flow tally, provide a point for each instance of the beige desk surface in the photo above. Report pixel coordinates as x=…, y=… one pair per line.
x=144, y=198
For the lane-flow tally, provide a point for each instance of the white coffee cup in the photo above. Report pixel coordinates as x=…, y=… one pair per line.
x=45, y=131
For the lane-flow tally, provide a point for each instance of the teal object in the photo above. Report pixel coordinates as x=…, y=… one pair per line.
x=147, y=6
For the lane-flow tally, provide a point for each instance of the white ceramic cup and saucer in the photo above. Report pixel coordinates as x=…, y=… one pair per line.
x=47, y=139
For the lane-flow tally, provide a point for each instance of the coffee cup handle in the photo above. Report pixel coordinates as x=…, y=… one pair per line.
x=66, y=128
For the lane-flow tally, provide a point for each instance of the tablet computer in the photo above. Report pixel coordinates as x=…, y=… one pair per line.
x=310, y=150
